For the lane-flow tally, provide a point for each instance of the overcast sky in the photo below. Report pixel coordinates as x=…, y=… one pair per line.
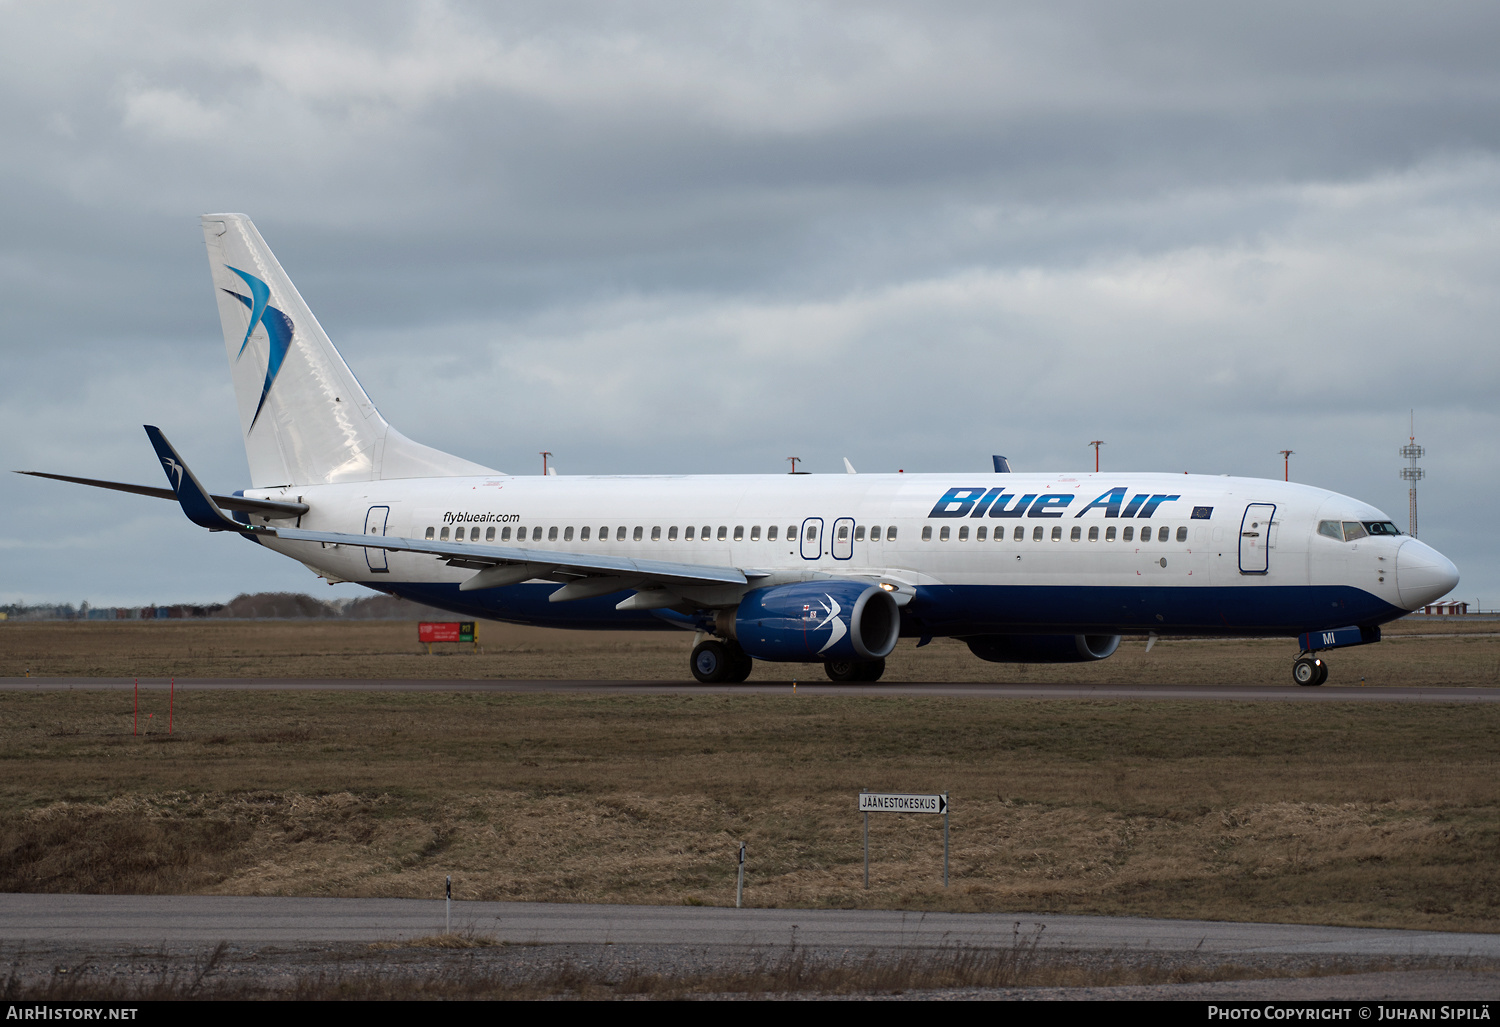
x=686, y=237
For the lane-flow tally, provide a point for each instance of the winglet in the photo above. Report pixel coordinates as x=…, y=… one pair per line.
x=1002, y=465
x=196, y=502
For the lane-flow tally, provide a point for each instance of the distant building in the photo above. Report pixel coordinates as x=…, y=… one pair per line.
x=1447, y=608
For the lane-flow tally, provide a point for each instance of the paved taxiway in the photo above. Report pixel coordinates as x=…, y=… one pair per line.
x=817, y=686
x=208, y=919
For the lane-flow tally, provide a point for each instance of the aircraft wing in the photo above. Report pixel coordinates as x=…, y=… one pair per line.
x=582, y=575
x=534, y=562
x=267, y=507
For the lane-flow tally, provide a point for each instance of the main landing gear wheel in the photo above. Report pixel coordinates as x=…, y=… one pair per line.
x=717, y=663
x=1309, y=671
x=854, y=670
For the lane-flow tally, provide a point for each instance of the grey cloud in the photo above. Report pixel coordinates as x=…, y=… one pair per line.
x=670, y=238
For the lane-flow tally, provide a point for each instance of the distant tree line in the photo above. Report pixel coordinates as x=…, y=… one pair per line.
x=246, y=606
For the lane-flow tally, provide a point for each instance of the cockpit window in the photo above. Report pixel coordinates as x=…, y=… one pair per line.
x=1348, y=531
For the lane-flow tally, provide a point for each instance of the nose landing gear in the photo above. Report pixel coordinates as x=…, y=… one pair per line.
x=1309, y=671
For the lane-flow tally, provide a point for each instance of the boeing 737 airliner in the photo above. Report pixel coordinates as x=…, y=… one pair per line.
x=800, y=568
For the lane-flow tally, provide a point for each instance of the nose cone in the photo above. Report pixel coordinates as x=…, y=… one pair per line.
x=1423, y=574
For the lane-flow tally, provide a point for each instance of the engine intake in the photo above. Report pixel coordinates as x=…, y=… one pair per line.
x=817, y=620
x=1043, y=648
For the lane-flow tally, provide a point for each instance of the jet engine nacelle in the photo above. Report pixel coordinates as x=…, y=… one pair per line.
x=1043, y=648
x=817, y=620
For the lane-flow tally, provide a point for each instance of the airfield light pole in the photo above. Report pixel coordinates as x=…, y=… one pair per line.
x=1413, y=474
x=545, y=454
x=1096, y=444
x=1286, y=463
x=795, y=460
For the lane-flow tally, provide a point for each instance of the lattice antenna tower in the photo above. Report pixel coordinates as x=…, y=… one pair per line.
x=1412, y=473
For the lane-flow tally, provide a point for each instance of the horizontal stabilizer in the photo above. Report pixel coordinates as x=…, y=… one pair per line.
x=264, y=507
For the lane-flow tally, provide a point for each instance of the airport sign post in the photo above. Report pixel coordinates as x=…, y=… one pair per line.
x=739, y=888
x=903, y=802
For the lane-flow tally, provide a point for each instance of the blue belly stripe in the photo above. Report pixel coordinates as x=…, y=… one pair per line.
x=948, y=610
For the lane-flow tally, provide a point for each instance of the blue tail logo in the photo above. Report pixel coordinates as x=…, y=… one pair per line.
x=278, y=326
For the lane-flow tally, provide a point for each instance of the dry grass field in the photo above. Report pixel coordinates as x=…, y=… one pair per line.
x=1362, y=814
x=388, y=649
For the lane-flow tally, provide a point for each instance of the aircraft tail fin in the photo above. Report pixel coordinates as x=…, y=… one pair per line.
x=304, y=416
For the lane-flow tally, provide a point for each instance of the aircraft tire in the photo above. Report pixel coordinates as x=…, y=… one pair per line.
x=712, y=663
x=854, y=670
x=843, y=670
x=1309, y=671
x=741, y=663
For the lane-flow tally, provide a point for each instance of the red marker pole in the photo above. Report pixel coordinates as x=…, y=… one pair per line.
x=135, y=727
x=171, y=698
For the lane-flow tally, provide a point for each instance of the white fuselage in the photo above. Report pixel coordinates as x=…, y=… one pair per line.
x=1083, y=533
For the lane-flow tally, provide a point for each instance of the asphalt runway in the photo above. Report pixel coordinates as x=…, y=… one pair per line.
x=207, y=919
x=817, y=686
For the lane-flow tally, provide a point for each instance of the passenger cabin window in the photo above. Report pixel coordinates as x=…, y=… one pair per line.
x=568, y=533
x=1094, y=533
x=811, y=534
x=943, y=533
x=687, y=533
x=473, y=534
x=536, y=533
x=791, y=533
x=1056, y=533
x=890, y=533
x=1182, y=533
x=843, y=533
x=1077, y=533
x=504, y=534
x=963, y=533
x=739, y=533
x=1109, y=533
x=755, y=533
x=656, y=533
x=875, y=533
x=672, y=533
x=432, y=531
x=489, y=534
x=444, y=536
x=1020, y=535
x=1036, y=533
x=552, y=533
x=926, y=532
x=1128, y=534
x=859, y=533
x=583, y=534
x=1163, y=534
x=635, y=536
x=603, y=534
x=771, y=533
x=723, y=533
x=703, y=536
x=980, y=534
x=620, y=533
x=1145, y=533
